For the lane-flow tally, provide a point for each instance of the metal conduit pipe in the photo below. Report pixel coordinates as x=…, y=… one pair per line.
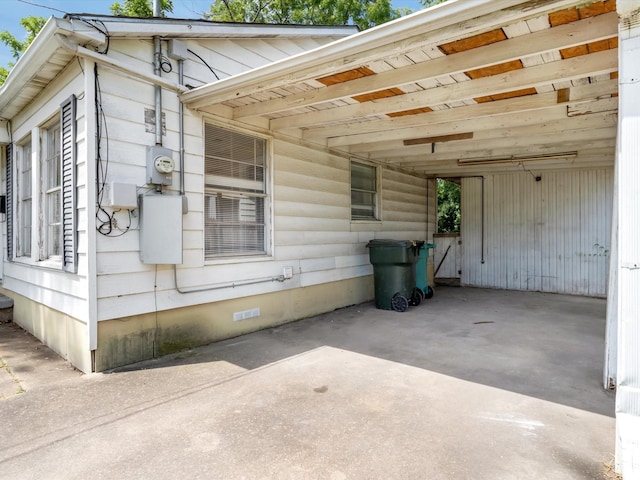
x=119, y=65
x=181, y=127
x=157, y=70
x=243, y=283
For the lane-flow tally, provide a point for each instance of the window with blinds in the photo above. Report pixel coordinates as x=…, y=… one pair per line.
x=363, y=192
x=235, y=193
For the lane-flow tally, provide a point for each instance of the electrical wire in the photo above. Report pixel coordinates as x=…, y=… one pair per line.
x=203, y=61
x=93, y=23
x=165, y=64
x=106, y=223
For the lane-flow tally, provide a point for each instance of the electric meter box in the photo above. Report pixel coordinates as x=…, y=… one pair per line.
x=160, y=165
x=161, y=229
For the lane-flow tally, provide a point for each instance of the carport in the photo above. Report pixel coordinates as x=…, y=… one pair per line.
x=476, y=383
x=518, y=99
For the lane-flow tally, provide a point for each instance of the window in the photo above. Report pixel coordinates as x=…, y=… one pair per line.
x=363, y=192
x=24, y=198
x=41, y=193
x=51, y=192
x=235, y=193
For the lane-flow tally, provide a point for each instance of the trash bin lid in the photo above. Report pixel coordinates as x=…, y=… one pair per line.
x=386, y=242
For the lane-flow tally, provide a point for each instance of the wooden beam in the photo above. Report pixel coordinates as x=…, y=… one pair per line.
x=430, y=27
x=453, y=169
x=401, y=127
x=496, y=130
x=473, y=153
x=545, y=74
x=540, y=42
x=523, y=142
x=438, y=139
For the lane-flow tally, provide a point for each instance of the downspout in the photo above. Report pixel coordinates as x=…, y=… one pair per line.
x=119, y=65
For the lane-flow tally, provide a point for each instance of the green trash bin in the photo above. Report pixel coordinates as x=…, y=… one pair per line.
x=421, y=270
x=394, y=273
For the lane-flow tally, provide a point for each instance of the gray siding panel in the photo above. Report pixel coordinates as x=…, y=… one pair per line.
x=550, y=236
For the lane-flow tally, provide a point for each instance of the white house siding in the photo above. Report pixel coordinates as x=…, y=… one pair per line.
x=404, y=206
x=125, y=286
x=550, y=236
x=49, y=302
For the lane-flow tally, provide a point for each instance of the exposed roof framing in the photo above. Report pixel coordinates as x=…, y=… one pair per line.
x=491, y=79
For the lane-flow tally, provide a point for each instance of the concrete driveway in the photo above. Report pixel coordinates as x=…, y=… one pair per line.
x=472, y=384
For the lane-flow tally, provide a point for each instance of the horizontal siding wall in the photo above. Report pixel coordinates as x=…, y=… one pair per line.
x=310, y=211
x=312, y=232
x=62, y=291
x=404, y=206
x=550, y=236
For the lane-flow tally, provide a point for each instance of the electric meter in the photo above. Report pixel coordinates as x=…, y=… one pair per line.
x=160, y=165
x=164, y=164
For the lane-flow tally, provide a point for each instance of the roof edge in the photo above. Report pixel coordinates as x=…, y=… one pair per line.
x=200, y=28
x=38, y=54
x=354, y=47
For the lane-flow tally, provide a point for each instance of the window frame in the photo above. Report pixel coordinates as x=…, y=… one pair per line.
x=52, y=130
x=237, y=191
x=24, y=234
x=376, y=208
x=60, y=128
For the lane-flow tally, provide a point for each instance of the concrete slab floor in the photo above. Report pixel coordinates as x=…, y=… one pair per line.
x=478, y=384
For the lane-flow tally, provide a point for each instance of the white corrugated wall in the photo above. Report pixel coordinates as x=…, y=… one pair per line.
x=551, y=235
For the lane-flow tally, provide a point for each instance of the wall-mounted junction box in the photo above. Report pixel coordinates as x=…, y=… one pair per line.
x=161, y=229
x=177, y=50
x=121, y=195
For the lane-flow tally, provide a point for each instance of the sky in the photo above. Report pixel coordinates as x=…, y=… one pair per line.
x=14, y=10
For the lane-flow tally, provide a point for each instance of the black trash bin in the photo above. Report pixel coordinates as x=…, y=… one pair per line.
x=394, y=273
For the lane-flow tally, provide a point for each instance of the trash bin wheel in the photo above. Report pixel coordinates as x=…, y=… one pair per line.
x=428, y=292
x=416, y=297
x=399, y=303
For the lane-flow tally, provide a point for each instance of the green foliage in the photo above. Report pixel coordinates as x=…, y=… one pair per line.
x=32, y=26
x=431, y=3
x=448, y=206
x=140, y=8
x=363, y=13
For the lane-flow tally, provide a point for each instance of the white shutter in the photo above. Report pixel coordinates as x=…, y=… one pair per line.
x=68, y=165
x=9, y=200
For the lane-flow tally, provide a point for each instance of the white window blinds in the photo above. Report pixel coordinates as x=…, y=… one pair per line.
x=235, y=193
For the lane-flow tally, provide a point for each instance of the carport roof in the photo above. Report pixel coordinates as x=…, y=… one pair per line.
x=457, y=89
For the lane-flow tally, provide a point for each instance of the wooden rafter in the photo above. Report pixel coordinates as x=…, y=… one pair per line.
x=492, y=114
x=573, y=68
x=592, y=29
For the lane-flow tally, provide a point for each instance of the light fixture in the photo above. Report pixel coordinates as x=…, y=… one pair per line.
x=516, y=159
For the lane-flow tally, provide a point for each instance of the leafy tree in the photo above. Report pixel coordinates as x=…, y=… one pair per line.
x=140, y=8
x=431, y=3
x=363, y=13
x=32, y=25
x=448, y=206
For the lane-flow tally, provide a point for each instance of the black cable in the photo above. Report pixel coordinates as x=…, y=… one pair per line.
x=92, y=23
x=106, y=222
x=165, y=64
x=202, y=60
